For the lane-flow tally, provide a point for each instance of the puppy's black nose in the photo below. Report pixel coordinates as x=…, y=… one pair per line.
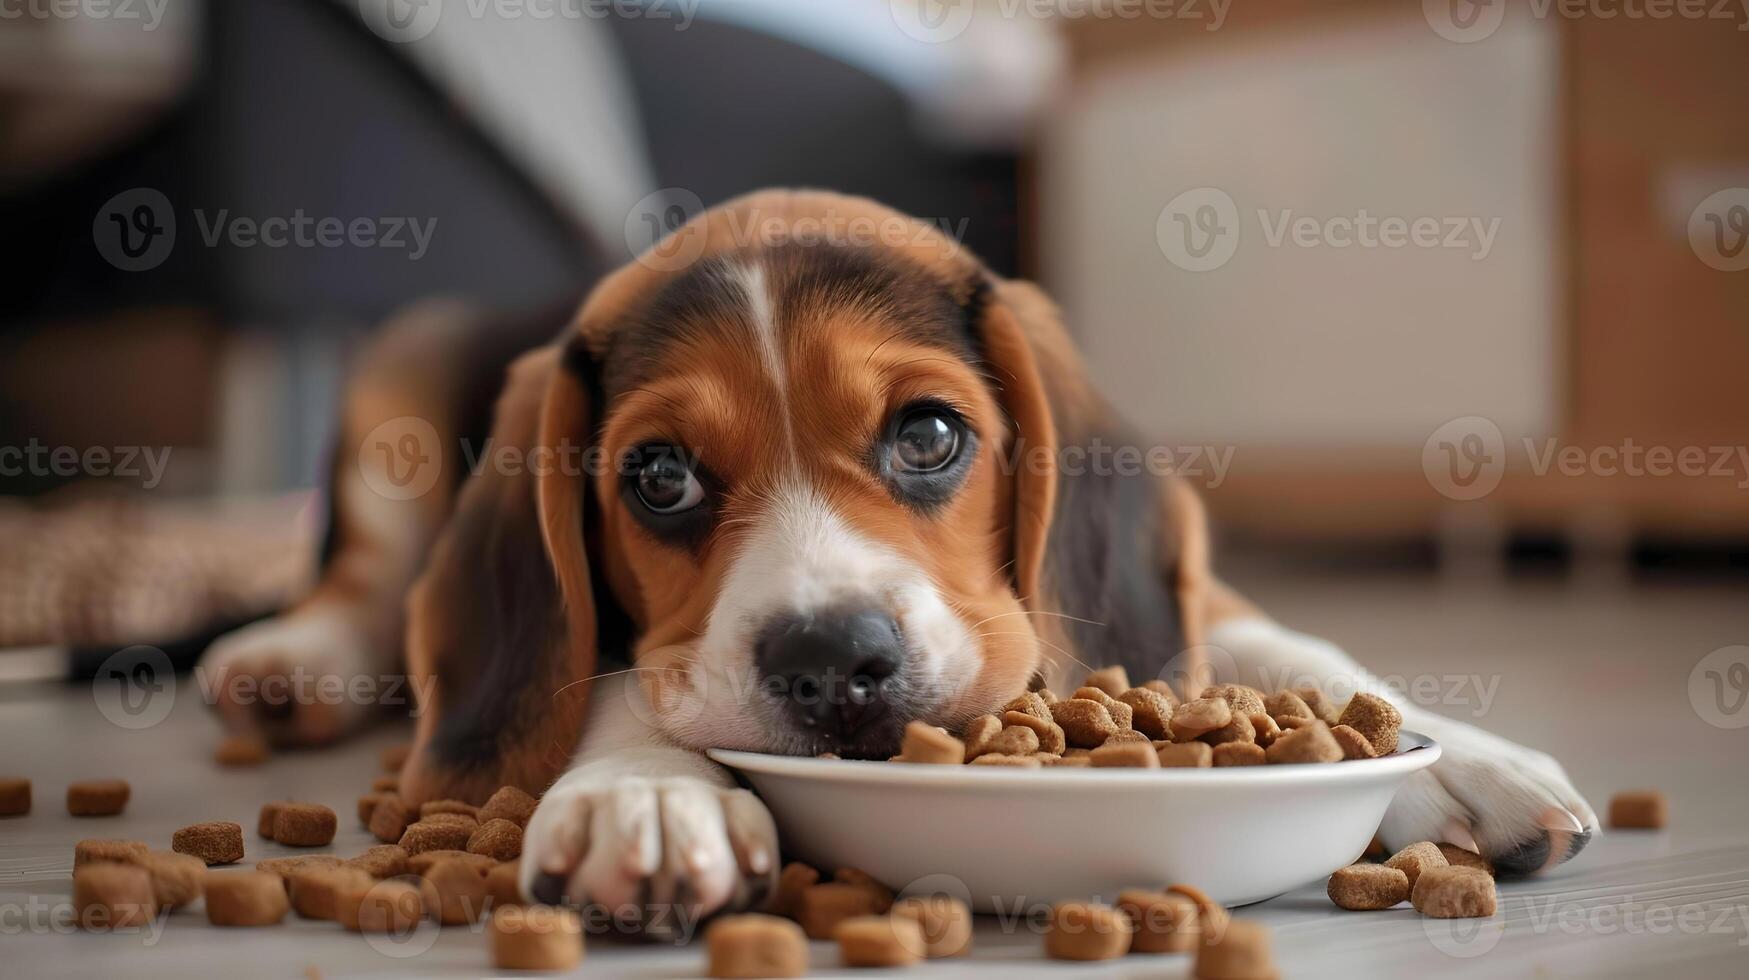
x=831, y=667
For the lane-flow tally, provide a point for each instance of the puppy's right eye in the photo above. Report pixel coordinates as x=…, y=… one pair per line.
x=664, y=483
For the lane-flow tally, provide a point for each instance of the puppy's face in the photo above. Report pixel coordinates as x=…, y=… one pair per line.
x=807, y=515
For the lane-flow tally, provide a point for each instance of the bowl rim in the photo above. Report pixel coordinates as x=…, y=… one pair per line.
x=1415, y=752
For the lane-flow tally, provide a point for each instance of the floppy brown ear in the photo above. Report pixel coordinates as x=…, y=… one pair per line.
x=502, y=624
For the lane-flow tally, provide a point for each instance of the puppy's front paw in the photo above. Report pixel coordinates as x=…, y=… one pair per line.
x=292, y=678
x=1517, y=804
x=656, y=854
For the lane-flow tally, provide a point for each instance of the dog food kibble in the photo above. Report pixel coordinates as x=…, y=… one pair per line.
x=434, y=835
x=284, y=868
x=1014, y=740
x=1460, y=857
x=422, y=863
x=1415, y=859
x=1237, y=730
x=1211, y=916
x=1003, y=759
x=503, y=886
x=862, y=879
x=1308, y=743
x=1131, y=735
x=1240, y=951
x=786, y=898
x=1638, y=810
x=1240, y=754
x=1121, y=714
x=1031, y=703
x=367, y=806
x=824, y=906
x=264, y=822
x=454, y=892
x=1265, y=729
x=1085, y=724
x=216, y=842
x=448, y=806
x=755, y=946
x=386, y=784
x=1150, y=711
x=241, y=750
x=1242, y=699
x=1194, y=718
x=87, y=851
x=946, y=923
x=509, y=803
x=391, y=906
x=244, y=898
x=14, y=796
x=929, y=744
x=1086, y=931
x=499, y=840
x=1131, y=755
x=1284, y=704
x=1377, y=719
x=111, y=896
x=1050, y=735
x=316, y=894
x=388, y=821
x=1364, y=887
x=978, y=734
x=1453, y=893
x=97, y=797
x=536, y=937
x=879, y=941
x=1354, y=744
x=177, y=879
x=1162, y=922
x=1185, y=755
x=381, y=861
x=395, y=756
x=461, y=820
x=304, y=825
x=1112, y=680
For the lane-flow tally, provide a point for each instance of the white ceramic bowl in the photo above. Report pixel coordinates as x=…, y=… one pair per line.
x=1010, y=840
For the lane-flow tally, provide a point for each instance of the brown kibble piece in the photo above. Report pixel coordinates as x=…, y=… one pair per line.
x=97, y=797
x=499, y=840
x=423, y=862
x=925, y=743
x=1416, y=859
x=1003, y=759
x=509, y=803
x=1368, y=887
x=1086, y=931
x=392, y=906
x=1121, y=714
x=1239, y=754
x=1194, y=718
x=215, y=842
x=1112, y=680
x=367, y=805
x=1014, y=740
x=304, y=825
x=244, y=898
x=316, y=893
x=1290, y=723
x=1130, y=755
x=284, y=868
x=1161, y=922
x=454, y=892
x=241, y=750
x=1461, y=857
x=824, y=906
x=1162, y=688
x=264, y=822
x=454, y=820
x=536, y=937
x=112, y=896
x=1265, y=729
x=1643, y=809
x=1377, y=719
x=14, y=796
x=786, y=898
x=1242, y=699
x=1211, y=916
x=862, y=879
x=389, y=820
x=395, y=756
x=1453, y=893
x=1322, y=707
x=1065, y=761
x=1185, y=755
x=1086, y=724
x=1286, y=704
x=386, y=784
x=750, y=946
x=979, y=733
x=436, y=835
x=177, y=879
x=1307, y=744
x=1050, y=735
x=1240, y=951
x=1150, y=711
x=1126, y=736
x=503, y=885
x=1354, y=744
x=1031, y=703
x=946, y=923
x=87, y=851
x=431, y=807
x=879, y=941
x=1237, y=730
x=381, y=861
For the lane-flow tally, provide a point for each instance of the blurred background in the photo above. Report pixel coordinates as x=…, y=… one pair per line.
x=1423, y=297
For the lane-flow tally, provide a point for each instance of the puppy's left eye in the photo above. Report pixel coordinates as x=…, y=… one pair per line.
x=927, y=441
x=664, y=483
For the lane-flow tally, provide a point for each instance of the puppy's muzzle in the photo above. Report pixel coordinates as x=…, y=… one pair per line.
x=834, y=673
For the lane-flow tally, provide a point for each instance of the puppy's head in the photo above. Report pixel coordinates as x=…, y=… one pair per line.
x=812, y=507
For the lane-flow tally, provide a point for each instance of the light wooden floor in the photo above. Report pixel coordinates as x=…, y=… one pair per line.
x=1598, y=678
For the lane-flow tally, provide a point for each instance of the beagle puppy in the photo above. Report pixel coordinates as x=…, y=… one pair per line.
x=783, y=487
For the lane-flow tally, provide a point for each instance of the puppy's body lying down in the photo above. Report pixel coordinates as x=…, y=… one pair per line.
x=810, y=485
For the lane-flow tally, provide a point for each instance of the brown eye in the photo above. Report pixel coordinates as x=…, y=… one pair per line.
x=927, y=440
x=665, y=484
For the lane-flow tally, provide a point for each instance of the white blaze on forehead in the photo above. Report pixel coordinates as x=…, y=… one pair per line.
x=750, y=278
